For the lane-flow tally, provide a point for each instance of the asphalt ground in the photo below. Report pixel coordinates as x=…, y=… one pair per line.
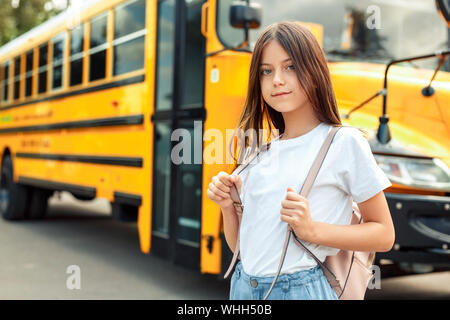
x=36, y=259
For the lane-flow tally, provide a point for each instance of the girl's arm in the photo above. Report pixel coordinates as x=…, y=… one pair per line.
x=230, y=226
x=376, y=233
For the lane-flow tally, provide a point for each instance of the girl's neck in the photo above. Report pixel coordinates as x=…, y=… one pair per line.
x=299, y=122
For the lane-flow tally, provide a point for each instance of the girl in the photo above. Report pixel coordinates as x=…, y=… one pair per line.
x=290, y=88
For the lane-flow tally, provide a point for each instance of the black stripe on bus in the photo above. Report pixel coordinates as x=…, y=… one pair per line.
x=82, y=191
x=127, y=198
x=119, y=83
x=116, y=161
x=103, y=122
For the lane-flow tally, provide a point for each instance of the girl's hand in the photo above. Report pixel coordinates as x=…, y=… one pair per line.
x=220, y=187
x=295, y=211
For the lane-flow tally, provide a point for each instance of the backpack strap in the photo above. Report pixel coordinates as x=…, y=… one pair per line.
x=304, y=192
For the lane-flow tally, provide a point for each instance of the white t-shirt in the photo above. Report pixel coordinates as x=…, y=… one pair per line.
x=348, y=172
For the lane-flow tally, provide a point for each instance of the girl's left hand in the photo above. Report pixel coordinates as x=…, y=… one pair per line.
x=295, y=211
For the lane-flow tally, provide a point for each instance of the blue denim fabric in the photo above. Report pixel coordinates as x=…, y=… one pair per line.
x=302, y=285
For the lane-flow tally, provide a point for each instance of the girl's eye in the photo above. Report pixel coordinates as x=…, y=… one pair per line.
x=266, y=72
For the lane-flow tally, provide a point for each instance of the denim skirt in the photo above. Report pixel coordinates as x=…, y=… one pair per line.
x=308, y=284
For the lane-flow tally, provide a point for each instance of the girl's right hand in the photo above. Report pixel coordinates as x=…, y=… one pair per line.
x=220, y=187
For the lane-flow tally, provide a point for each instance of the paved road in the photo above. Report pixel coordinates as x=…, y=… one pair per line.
x=35, y=256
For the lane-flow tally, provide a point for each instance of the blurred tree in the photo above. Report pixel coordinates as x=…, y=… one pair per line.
x=19, y=16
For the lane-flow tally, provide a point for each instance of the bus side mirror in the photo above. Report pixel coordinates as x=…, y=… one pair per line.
x=242, y=14
x=443, y=7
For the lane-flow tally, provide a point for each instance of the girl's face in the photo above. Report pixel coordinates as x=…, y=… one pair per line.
x=280, y=86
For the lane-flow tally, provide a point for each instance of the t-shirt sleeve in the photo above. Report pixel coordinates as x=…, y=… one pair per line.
x=360, y=175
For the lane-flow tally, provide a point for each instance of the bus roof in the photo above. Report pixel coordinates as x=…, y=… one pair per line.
x=47, y=25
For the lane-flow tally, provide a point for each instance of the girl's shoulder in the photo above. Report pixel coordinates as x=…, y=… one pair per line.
x=350, y=134
x=351, y=139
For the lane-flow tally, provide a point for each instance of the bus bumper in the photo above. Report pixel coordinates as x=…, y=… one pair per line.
x=422, y=230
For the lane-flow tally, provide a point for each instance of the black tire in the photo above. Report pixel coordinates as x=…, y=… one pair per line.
x=38, y=203
x=13, y=196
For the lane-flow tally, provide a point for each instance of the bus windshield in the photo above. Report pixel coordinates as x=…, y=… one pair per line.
x=356, y=30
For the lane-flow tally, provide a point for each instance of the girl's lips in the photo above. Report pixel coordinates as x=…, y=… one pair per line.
x=281, y=94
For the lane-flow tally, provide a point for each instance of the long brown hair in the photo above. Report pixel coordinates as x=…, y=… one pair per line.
x=312, y=71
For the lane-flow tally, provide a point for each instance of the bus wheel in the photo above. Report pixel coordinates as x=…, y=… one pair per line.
x=13, y=196
x=38, y=203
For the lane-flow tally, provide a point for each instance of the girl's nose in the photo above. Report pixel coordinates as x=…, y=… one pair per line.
x=278, y=78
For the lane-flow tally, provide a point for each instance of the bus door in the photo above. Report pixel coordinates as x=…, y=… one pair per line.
x=179, y=114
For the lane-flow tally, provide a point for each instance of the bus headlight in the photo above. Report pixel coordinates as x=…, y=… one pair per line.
x=431, y=174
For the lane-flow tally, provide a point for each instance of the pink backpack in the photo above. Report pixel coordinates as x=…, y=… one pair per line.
x=348, y=272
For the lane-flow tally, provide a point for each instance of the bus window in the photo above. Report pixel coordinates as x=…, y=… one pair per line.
x=76, y=55
x=29, y=73
x=165, y=53
x=5, y=81
x=2, y=77
x=161, y=207
x=58, y=60
x=2, y=82
x=129, y=36
x=190, y=174
x=42, y=80
x=98, y=45
x=193, y=56
x=398, y=35
x=17, y=77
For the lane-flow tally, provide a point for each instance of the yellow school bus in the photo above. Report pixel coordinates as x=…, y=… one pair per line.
x=98, y=100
